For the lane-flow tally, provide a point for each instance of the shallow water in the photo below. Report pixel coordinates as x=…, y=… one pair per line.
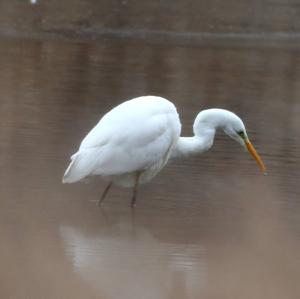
x=206, y=227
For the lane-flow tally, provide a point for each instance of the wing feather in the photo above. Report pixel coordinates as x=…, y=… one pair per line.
x=133, y=136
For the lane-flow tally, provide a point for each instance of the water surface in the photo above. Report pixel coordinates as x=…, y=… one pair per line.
x=206, y=227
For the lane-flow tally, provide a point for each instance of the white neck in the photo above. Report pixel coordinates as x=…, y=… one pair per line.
x=205, y=126
x=189, y=146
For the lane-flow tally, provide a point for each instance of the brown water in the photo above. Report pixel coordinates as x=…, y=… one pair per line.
x=206, y=227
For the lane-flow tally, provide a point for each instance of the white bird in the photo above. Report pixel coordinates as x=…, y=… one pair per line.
x=134, y=141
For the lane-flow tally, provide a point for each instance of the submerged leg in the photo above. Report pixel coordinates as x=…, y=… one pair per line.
x=135, y=187
x=104, y=194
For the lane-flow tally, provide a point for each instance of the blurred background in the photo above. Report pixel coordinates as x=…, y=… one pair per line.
x=206, y=227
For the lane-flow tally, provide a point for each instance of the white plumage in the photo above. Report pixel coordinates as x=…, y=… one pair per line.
x=134, y=141
x=136, y=136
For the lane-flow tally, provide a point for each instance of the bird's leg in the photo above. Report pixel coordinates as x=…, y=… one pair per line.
x=104, y=194
x=134, y=193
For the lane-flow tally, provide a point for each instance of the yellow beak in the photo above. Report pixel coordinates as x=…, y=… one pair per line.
x=255, y=155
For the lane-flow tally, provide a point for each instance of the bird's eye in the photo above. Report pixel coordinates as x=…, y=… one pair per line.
x=241, y=133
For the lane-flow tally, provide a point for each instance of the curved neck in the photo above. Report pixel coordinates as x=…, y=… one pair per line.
x=189, y=146
x=205, y=126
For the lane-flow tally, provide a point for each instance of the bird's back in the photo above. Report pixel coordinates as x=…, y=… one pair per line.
x=134, y=135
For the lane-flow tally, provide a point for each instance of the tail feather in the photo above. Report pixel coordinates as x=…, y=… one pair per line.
x=81, y=166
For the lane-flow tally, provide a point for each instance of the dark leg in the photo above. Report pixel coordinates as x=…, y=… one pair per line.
x=134, y=193
x=104, y=194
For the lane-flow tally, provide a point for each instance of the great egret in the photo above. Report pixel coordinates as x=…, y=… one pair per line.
x=134, y=141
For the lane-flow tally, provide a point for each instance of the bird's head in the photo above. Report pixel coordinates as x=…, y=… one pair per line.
x=207, y=121
x=235, y=128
